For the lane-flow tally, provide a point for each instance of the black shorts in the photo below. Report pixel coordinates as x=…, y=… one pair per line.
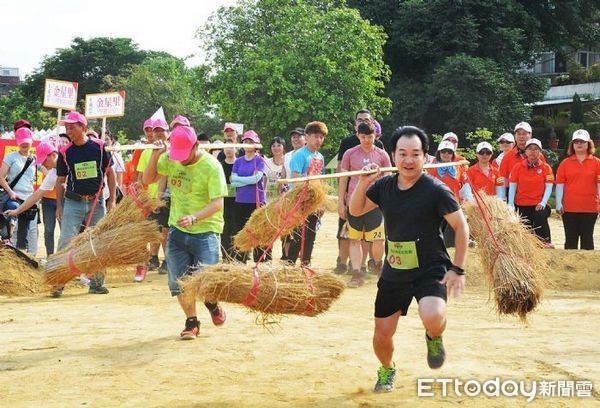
x=396, y=296
x=366, y=222
x=161, y=216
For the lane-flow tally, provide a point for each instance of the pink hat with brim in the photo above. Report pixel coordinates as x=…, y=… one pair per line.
x=251, y=135
x=24, y=135
x=148, y=123
x=229, y=125
x=160, y=123
x=42, y=151
x=74, y=117
x=183, y=139
x=180, y=120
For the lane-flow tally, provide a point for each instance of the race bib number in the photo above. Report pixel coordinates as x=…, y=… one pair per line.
x=86, y=170
x=403, y=255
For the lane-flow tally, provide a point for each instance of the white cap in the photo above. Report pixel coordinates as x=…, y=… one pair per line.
x=484, y=145
x=507, y=136
x=450, y=135
x=523, y=125
x=446, y=144
x=535, y=142
x=581, y=134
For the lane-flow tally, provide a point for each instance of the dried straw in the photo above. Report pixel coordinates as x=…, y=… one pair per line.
x=281, y=290
x=120, y=238
x=515, y=263
x=285, y=213
x=94, y=252
x=17, y=276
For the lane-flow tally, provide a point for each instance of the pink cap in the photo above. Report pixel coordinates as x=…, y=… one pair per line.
x=148, y=123
x=160, y=123
x=24, y=135
x=180, y=120
x=42, y=151
x=74, y=117
x=252, y=135
x=183, y=138
x=229, y=125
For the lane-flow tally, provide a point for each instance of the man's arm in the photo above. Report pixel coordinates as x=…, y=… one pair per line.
x=455, y=282
x=60, y=196
x=212, y=207
x=150, y=172
x=112, y=188
x=28, y=203
x=342, y=190
x=359, y=202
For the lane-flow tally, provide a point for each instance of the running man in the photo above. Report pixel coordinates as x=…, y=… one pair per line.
x=417, y=263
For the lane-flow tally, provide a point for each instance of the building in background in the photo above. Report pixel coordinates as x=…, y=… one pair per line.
x=9, y=78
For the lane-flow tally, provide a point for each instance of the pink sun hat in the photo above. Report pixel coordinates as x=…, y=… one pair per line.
x=183, y=139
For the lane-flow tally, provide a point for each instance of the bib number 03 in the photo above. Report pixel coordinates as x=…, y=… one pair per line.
x=403, y=255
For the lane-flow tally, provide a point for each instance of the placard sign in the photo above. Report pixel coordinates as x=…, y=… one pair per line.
x=105, y=105
x=60, y=94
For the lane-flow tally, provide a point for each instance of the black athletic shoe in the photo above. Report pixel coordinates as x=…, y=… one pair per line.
x=153, y=263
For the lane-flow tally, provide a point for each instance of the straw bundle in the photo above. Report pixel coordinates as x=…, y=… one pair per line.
x=93, y=252
x=516, y=265
x=281, y=290
x=265, y=223
x=17, y=276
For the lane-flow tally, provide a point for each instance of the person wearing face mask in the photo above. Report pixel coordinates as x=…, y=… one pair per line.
x=578, y=191
x=530, y=188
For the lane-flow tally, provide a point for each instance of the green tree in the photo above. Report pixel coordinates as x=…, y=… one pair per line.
x=465, y=92
x=576, y=110
x=162, y=80
x=15, y=106
x=86, y=62
x=423, y=34
x=279, y=64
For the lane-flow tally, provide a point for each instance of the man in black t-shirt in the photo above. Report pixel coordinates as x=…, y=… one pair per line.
x=416, y=263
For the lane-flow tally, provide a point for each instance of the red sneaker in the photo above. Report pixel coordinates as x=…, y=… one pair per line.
x=140, y=273
x=190, y=333
x=218, y=315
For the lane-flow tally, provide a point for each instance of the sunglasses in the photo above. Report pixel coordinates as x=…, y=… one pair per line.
x=446, y=151
x=579, y=141
x=485, y=153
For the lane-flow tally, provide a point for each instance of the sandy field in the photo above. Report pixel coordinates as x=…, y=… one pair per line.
x=123, y=349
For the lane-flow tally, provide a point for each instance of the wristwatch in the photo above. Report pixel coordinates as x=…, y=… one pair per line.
x=457, y=270
x=194, y=219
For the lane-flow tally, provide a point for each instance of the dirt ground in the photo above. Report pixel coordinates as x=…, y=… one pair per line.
x=122, y=349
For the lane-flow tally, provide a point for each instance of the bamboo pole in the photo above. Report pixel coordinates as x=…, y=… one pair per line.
x=207, y=146
x=362, y=172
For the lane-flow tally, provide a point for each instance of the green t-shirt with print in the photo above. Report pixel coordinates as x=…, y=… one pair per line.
x=192, y=188
x=142, y=164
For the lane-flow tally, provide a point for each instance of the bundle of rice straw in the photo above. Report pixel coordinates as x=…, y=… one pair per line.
x=514, y=262
x=281, y=216
x=17, y=276
x=277, y=290
x=94, y=252
x=120, y=238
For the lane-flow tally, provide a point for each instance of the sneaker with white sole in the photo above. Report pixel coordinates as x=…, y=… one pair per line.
x=218, y=315
x=140, y=273
x=191, y=331
x=385, y=379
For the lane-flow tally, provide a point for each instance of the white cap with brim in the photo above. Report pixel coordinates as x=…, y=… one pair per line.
x=446, y=145
x=523, y=125
x=484, y=145
x=533, y=141
x=581, y=134
x=507, y=136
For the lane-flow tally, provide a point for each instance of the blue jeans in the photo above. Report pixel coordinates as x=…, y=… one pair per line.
x=75, y=215
x=26, y=235
x=186, y=253
x=49, y=218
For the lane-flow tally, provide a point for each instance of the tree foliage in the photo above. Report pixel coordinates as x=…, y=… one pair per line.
x=86, y=62
x=425, y=37
x=161, y=80
x=279, y=64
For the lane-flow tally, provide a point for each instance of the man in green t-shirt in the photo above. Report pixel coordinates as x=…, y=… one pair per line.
x=197, y=185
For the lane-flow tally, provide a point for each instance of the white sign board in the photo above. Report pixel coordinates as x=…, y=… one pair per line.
x=105, y=105
x=60, y=94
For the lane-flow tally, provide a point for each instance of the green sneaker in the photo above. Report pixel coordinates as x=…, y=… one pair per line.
x=436, y=355
x=385, y=379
